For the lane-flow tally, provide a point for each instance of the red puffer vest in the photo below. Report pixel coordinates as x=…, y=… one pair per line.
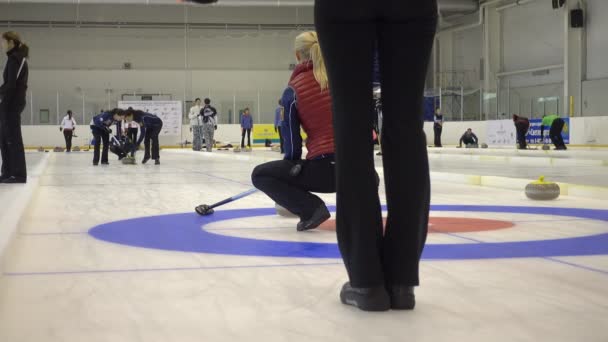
x=314, y=111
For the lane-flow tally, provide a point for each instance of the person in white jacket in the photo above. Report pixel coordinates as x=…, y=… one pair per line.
x=196, y=125
x=68, y=126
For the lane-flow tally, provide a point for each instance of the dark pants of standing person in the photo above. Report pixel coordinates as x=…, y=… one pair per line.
x=294, y=193
x=151, y=138
x=248, y=132
x=469, y=141
x=132, y=136
x=555, y=133
x=403, y=31
x=281, y=139
x=100, y=136
x=522, y=130
x=67, y=135
x=11, y=140
x=437, y=130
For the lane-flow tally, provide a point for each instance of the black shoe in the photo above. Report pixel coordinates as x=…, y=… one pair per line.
x=366, y=298
x=319, y=216
x=402, y=297
x=14, y=180
x=3, y=178
x=379, y=153
x=95, y=163
x=157, y=162
x=145, y=160
x=105, y=163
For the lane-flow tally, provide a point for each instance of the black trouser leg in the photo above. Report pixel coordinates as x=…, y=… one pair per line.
x=132, y=135
x=521, y=138
x=67, y=134
x=294, y=193
x=404, y=142
x=370, y=258
x=243, y=138
x=154, y=133
x=4, y=146
x=13, y=151
x=468, y=141
x=249, y=137
x=147, y=140
x=97, y=137
x=105, y=138
x=555, y=133
x=437, y=130
x=524, y=142
x=281, y=140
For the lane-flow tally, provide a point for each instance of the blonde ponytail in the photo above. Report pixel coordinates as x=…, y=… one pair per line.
x=307, y=45
x=15, y=38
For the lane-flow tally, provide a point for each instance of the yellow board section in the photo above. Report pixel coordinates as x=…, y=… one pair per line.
x=262, y=132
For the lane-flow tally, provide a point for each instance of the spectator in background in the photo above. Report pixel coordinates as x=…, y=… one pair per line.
x=383, y=267
x=13, y=100
x=209, y=114
x=246, y=127
x=438, y=127
x=522, y=125
x=68, y=126
x=468, y=138
x=278, y=122
x=196, y=125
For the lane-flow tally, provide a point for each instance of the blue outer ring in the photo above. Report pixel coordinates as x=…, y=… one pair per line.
x=183, y=233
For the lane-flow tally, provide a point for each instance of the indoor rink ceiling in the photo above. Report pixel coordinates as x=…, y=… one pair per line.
x=446, y=6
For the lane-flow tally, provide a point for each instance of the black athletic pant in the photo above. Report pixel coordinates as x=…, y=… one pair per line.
x=151, y=138
x=555, y=133
x=437, y=130
x=11, y=140
x=132, y=135
x=100, y=135
x=522, y=130
x=281, y=139
x=403, y=31
x=294, y=193
x=469, y=141
x=248, y=132
x=67, y=135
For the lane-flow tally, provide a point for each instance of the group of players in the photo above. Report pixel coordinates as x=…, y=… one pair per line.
x=522, y=126
x=150, y=127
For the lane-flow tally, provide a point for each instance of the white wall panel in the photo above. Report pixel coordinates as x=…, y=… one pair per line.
x=597, y=39
x=533, y=36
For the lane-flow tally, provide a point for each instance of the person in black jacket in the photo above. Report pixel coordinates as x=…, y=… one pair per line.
x=438, y=127
x=382, y=266
x=522, y=125
x=13, y=93
x=100, y=127
x=468, y=138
